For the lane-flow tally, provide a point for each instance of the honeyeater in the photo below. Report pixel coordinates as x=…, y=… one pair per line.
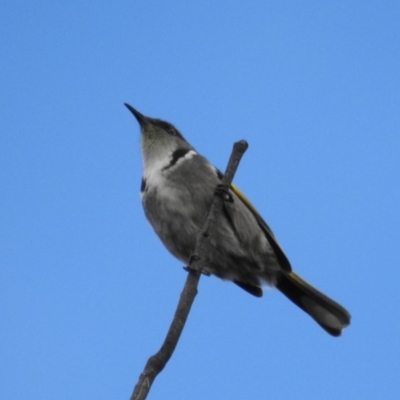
x=177, y=190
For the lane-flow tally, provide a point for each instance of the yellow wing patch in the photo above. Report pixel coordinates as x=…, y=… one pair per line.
x=244, y=199
x=281, y=256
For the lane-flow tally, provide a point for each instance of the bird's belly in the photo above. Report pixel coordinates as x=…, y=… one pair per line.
x=177, y=219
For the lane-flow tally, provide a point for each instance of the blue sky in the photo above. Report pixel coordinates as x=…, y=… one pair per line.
x=87, y=291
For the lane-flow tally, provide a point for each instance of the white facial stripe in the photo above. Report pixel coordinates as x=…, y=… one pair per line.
x=190, y=154
x=154, y=172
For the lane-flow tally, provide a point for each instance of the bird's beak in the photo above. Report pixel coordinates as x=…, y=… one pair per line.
x=140, y=117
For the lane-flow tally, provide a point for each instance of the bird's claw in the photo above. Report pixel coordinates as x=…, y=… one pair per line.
x=222, y=191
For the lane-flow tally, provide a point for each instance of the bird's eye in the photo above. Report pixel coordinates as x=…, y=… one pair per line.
x=172, y=131
x=169, y=129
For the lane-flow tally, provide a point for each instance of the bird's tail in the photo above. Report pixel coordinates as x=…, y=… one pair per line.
x=329, y=314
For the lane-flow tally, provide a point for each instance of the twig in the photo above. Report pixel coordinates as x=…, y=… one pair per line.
x=156, y=363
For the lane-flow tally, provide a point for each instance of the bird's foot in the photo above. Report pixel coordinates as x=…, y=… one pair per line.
x=222, y=191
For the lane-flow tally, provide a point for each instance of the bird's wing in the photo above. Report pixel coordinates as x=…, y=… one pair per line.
x=280, y=255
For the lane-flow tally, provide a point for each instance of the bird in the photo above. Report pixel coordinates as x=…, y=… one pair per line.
x=177, y=190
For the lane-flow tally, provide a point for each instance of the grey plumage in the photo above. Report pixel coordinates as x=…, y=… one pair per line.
x=177, y=190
